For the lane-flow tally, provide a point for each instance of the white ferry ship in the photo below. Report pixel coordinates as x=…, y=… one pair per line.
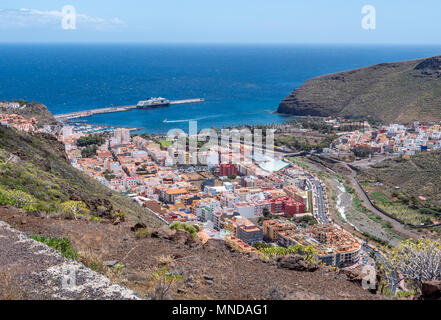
x=153, y=103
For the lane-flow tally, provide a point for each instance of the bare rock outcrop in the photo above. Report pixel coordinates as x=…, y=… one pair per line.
x=164, y=232
x=179, y=236
x=296, y=262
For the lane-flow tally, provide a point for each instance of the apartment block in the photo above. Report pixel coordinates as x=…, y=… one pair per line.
x=335, y=247
x=272, y=228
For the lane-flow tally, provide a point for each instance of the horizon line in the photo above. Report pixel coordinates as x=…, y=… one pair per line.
x=225, y=43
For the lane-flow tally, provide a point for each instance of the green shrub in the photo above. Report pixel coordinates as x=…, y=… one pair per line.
x=119, y=267
x=96, y=219
x=21, y=199
x=142, y=233
x=85, y=141
x=405, y=294
x=61, y=245
x=274, y=251
x=307, y=220
x=89, y=151
x=429, y=211
x=261, y=245
x=74, y=208
x=48, y=207
x=119, y=214
x=186, y=227
x=4, y=199
x=308, y=252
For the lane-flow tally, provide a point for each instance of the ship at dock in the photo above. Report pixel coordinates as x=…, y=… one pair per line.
x=153, y=103
x=145, y=104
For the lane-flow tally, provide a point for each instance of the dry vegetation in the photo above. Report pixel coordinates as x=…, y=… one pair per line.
x=390, y=92
x=409, y=189
x=151, y=265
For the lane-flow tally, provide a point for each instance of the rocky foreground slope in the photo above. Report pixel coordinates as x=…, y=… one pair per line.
x=209, y=271
x=390, y=92
x=32, y=270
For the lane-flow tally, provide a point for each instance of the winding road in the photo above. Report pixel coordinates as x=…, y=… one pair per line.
x=398, y=227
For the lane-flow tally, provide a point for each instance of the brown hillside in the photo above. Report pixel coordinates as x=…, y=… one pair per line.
x=390, y=92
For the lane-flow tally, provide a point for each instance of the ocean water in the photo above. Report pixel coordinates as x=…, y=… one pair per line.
x=242, y=84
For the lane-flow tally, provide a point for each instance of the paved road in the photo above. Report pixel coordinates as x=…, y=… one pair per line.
x=320, y=209
x=322, y=218
x=321, y=214
x=319, y=197
x=392, y=278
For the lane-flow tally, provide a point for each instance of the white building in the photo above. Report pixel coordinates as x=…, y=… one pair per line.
x=245, y=209
x=112, y=166
x=228, y=199
x=122, y=136
x=67, y=131
x=139, y=154
x=130, y=182
x=212, y=204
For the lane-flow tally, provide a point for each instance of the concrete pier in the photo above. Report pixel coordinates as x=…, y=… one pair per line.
x=87, y=113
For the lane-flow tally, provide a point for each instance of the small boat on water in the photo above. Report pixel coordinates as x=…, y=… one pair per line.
x=165, y=121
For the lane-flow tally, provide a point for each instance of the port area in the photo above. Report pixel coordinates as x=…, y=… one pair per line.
x=87, y=113
x=82, y=126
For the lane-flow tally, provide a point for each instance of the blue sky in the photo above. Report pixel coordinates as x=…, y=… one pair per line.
x=222, y=21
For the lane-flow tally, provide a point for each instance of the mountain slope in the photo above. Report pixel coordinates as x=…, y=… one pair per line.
x=391, y=92
x=416, y=176
x=38, y=165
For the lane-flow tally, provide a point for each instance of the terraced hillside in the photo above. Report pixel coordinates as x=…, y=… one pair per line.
x=410, y=189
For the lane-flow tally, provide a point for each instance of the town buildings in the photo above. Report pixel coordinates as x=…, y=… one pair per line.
x=228, y=169
x=18, y=122
x=225, y=208
x=335, y=247
x=11, y=105
x=272, y=228
x=122, y=136
x=392, y=139
x=244, y=229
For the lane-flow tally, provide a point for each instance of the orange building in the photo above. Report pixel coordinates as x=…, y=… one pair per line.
x=271, y=228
